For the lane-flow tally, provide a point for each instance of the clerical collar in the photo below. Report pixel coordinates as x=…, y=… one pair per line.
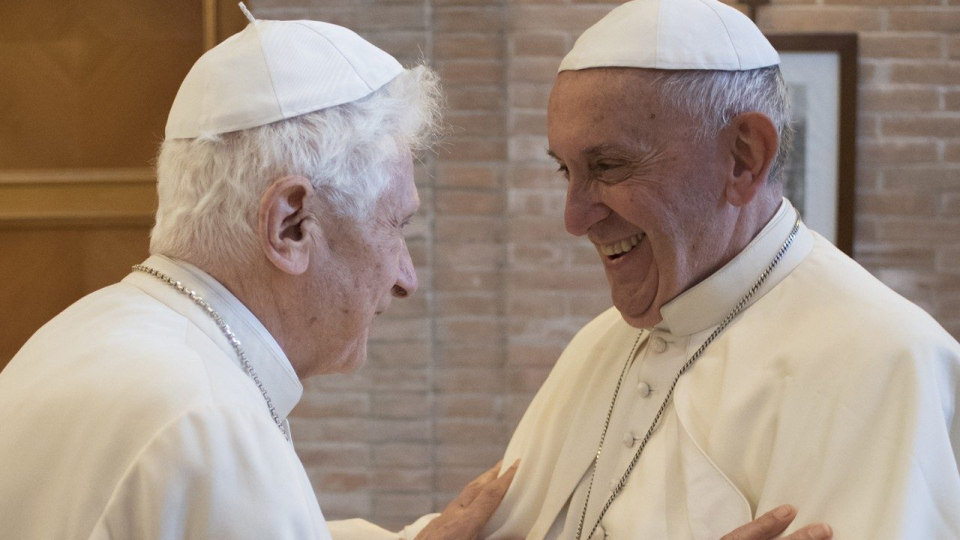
x=262, y=350
x=705, y=304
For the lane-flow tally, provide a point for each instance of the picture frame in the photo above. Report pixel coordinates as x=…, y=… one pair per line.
x=821, y=74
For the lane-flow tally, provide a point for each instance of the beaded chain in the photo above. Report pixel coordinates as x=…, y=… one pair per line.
x=234, y=342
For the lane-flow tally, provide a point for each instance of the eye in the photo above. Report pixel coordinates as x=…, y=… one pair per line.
x=605, y=166
x=608, y=172
x=564, y=171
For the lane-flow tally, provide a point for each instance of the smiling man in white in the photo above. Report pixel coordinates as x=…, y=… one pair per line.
x=747, y=362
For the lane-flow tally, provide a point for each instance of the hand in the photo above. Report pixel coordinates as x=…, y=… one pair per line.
x=774, y=522
x=469, y=512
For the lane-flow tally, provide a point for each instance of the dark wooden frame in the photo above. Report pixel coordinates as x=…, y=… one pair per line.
x=846, y=47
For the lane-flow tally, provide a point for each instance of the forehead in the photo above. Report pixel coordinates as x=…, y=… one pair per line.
x=593, y=107
x=400, y=194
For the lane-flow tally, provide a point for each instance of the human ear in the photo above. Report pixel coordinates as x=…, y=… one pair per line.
x=283, y=223
x=753, y=147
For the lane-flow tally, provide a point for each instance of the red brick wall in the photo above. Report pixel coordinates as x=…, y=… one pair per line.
x=504, y=287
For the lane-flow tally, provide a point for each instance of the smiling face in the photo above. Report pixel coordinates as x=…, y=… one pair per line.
x=640, y=188
x=359, y=268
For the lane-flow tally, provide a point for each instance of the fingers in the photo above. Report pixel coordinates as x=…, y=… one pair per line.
x=473, y=518
x=775, y=522
x=469, y=493
x=812, y=532
x=469, y=512
x=766, y=526
x=489, y=498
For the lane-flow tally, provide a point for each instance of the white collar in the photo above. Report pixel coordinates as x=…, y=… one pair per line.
x=262, y=350
x=704, y=305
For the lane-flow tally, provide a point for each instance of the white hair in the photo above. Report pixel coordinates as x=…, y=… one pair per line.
x=713, y=98
x=210, y=187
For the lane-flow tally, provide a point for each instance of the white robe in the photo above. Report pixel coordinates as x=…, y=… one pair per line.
x=128, y=416
x=830, y=392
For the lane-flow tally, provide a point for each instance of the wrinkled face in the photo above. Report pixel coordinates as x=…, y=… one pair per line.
x=639, y=187
x=364, y=265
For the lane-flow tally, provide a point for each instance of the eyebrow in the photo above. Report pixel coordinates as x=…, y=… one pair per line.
x=600, y=149
x=597, y=150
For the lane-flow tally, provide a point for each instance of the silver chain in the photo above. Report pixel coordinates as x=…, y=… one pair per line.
x=234, y=342
x=666, y=400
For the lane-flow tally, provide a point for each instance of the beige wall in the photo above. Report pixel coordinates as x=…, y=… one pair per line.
x=504, y=288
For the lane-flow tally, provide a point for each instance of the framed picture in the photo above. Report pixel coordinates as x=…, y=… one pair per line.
x=821, y=75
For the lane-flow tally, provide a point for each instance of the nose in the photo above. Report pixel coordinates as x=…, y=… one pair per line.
x=407, y=278
x=583, y=208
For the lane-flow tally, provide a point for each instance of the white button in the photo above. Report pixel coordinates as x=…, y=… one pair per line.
x=600, y=534
x=659, y=345
x=613, y=484
x=644, y=389
x=629, y=439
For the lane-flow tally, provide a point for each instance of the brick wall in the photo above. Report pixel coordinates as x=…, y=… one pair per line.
x=503, y=287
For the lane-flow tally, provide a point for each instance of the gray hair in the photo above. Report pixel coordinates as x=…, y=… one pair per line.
x=714, y=98
x=210, y=187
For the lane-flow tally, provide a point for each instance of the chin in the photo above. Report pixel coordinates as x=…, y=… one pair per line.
x=353, y=364
x=637, y=316
x=355, y=358
x=645, y=321
x=350, y=360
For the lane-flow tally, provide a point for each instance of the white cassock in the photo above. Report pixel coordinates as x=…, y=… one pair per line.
x=129, y=416
x=830, y=392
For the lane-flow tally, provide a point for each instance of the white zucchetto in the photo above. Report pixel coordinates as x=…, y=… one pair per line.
x=274, y=70
x=673, y=34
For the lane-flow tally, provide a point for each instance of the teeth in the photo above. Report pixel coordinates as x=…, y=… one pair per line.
x=620, y=246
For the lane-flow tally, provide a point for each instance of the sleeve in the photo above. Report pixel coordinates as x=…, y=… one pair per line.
x=879, y=460
x=358, y=529
x=214, y=472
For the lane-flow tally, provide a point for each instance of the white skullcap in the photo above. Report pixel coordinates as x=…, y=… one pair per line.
x=274, y=70
x=673, y=34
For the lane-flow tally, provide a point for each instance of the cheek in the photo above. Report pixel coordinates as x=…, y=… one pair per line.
x=378, y=271
x=640, y=208
x=662, y=222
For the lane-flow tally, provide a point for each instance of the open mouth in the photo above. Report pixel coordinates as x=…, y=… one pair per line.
x=621, y=247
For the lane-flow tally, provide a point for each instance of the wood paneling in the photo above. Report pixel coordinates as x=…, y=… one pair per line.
x=43, y=270
x=76, y=197
x=89, y=83
x=86, y=88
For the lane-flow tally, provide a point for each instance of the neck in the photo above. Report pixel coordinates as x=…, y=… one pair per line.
x=750, y=221
x=261, y=297
x=741, y=226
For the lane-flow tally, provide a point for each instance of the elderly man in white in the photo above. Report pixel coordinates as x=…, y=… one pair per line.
x=156, y=408
x=747, y=361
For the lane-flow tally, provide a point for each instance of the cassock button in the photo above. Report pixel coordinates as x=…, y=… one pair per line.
x=659, y=345
x=644, y=389
x=629, y=439
x=613, y=484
